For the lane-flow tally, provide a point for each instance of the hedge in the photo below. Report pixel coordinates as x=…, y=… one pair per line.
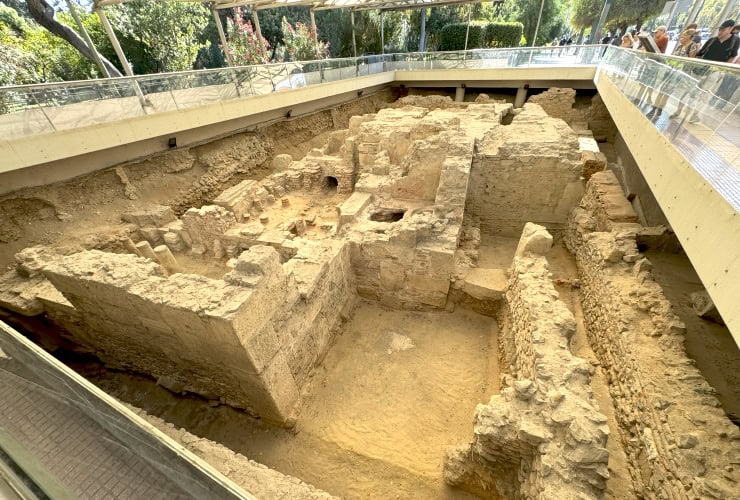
x=503, y=34
x=452, y=36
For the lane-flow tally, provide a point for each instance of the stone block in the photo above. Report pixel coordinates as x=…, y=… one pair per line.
x=152, y=215
x=534, y=240
x=352, y=206
x=485, y=284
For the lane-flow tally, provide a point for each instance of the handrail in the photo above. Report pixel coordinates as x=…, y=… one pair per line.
x=676, y=84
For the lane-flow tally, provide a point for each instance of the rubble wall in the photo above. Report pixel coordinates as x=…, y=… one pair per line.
x=561, y=103
x=543, y=436
x=528, y=171
x=679, y=442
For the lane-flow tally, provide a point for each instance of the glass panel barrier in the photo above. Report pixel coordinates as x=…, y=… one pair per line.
x=692, y=102
x=72, y=441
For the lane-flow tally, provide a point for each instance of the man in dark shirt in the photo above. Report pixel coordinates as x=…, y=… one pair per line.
x=723, y=47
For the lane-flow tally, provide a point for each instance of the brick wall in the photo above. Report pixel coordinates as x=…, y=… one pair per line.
x=528, y=171
x=679, y=442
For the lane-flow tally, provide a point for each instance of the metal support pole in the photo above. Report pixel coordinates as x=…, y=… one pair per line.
x=354, y=42
x=423, y=30
x=695, y=8
x=222, y=36
x=257, y=28
x=602, y=20
x=537, y=27
x=88, y=40
x=114, y=41
x=315, y=35
x=467, y=31
x=122, y=57
x=669, y=23
x=382, y=33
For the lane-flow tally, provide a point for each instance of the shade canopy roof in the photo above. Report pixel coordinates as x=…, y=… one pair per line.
x=318, y=4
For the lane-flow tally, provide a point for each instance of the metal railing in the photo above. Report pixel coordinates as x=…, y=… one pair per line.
x=675, y=92
x=694, y=103
x=33, y=109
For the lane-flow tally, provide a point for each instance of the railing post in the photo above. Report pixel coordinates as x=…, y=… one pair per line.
x=33, y=96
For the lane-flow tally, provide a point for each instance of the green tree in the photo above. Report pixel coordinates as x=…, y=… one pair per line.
x=243, y=44
x=300, y=43
x=527, y=12
x=17, y=65
x=166, y=34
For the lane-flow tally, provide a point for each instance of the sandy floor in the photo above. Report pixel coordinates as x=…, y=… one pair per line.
x=396, y=389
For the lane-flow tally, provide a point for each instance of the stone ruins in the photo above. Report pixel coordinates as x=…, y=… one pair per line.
x=393, y=210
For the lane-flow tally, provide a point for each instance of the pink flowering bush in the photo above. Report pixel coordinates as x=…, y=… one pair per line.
x=243, y=44
x=301, y=43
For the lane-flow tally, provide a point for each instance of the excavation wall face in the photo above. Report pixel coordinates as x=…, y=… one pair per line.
x=679, y=442
x=543, y=436
x=529, y=170
x=561, y=103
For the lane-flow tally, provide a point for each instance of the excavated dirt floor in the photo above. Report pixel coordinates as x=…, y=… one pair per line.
x=395, y=390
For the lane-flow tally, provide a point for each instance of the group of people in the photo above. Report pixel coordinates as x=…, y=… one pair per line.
x=721, y=48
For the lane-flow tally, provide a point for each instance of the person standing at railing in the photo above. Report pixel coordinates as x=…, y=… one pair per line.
x=686, y=47
x=721, y=48
x=661, y=38
x=627, y=42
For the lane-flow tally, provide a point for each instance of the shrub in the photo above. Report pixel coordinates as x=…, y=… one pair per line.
x=243, y=44
x=452, y=36
x=482, y=35
x=503, y=34
x=301, y=43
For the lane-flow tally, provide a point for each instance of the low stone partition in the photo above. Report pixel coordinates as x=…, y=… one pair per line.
x=543, y=436
x=679, y=442
x=249, y=340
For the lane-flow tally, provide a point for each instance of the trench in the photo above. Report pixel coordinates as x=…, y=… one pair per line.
x=396, y=387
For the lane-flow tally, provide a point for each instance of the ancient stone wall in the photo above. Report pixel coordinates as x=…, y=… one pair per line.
x=543, y=436
x=415, y=161
x=679, y=442
x=527, y=171
x=250, y=340
x=561, y=103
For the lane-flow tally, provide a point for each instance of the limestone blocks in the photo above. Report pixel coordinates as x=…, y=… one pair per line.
x=206, y=225
x=535, y=240
x=543, y=435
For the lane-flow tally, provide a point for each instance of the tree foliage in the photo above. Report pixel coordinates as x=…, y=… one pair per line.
x=623, y=13
x=168, y=33
x=301, y=43
x=243, y=44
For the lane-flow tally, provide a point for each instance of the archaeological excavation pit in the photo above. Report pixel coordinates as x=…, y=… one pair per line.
x=417, y=299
